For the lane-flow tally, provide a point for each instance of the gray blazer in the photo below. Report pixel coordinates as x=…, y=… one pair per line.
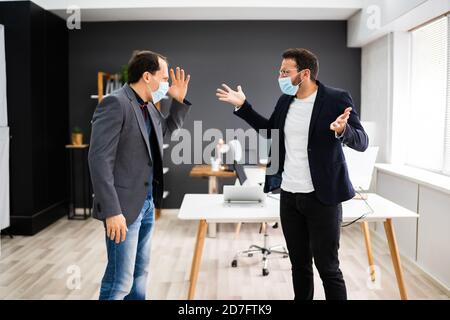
x=119, y=155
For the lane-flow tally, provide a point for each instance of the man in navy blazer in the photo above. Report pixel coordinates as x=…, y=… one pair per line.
x=313, y=121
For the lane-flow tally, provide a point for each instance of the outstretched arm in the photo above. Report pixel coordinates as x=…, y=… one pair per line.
x=244, y=110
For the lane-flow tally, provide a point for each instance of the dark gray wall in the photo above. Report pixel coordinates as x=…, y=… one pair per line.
x=246, y=53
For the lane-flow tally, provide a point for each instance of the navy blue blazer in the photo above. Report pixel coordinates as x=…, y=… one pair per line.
x=326, y=159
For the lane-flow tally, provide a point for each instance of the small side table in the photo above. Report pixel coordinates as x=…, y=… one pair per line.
x=86, y=182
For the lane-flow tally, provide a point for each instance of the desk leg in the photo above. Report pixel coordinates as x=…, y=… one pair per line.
x=390, y=235
x=366, y=232
x=237, y=230
x=201, y=233
x=212, y=189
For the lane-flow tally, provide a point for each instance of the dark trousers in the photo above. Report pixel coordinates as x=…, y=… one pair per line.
x=312, y=230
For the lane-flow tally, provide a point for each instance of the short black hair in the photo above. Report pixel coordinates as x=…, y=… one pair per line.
x=143, y=61
x=305, y=59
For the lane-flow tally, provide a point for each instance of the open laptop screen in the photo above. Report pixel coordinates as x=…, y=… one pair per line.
x=239, y=169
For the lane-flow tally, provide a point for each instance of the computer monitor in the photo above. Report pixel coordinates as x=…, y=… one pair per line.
x=240, y=173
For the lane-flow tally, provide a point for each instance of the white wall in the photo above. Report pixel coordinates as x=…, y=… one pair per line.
x=385, y=84
x=380, y=17
x=385, y=91
x=375, y=91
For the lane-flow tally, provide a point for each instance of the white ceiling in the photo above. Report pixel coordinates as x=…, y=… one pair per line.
x=116, y=10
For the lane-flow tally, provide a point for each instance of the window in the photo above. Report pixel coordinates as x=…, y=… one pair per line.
x=428, y=137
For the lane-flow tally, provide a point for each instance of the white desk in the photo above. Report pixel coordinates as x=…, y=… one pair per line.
x=211, y=208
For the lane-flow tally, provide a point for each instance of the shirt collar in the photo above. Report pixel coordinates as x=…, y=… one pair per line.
x=139, y=100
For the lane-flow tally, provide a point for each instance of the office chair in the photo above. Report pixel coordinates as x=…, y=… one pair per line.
x=264, y=250
x=253, y=249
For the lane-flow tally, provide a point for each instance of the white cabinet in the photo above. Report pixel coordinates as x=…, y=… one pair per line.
x=433, y=252
x=404, y=193
x=425, y=240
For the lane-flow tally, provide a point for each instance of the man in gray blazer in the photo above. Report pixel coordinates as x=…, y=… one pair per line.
x=125, y=161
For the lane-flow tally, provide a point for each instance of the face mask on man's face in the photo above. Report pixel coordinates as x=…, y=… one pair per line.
x=161, y=92
x=287, y=87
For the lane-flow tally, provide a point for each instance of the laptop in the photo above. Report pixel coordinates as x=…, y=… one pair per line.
x=243, y=194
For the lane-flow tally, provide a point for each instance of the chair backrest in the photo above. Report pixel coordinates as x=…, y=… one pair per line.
x=360, y=166
x=235, y=149
x=240, y=173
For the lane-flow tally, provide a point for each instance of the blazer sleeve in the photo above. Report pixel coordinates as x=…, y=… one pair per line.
x=261, y=124
x=106, y=127
x=175, y=118
x=354, y=135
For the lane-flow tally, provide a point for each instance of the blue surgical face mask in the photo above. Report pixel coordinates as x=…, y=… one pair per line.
x=287, y=87
x=161, y=92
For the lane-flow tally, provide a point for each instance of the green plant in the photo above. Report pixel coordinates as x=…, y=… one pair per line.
x=124, y=73
x=77, y=130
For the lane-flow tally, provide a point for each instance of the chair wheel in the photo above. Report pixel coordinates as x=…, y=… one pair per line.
x=250, y=255
x=265, y=272
x=234, y=263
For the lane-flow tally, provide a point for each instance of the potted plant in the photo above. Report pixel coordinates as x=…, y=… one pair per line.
x=77, y=136
x=124, y=73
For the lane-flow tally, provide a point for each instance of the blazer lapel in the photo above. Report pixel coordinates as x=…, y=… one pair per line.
x=318, y=103
x=155, y=116
x=140, y=118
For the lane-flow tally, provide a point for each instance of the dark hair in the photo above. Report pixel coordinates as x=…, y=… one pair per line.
x=143, y=61
x=305, y=59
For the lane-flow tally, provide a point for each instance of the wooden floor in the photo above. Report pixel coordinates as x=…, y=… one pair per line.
x=45, y=266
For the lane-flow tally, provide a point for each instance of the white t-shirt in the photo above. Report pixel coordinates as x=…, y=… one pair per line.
x=296, y=175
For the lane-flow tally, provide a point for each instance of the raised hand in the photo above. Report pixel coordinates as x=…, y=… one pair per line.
x=180, y=82
x=235, y=98
x=338, y=126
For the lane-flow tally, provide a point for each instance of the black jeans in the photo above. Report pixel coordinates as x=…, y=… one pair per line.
x=312, y=230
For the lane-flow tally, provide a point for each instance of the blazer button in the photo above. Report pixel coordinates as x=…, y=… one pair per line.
x=309, y=149
x=146, y=184
x=149, y=164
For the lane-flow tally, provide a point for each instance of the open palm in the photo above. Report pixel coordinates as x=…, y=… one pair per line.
x=235, y=98
x=179, y=87
x=339, y=124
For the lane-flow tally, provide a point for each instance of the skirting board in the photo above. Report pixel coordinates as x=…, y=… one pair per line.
x=30, y=225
